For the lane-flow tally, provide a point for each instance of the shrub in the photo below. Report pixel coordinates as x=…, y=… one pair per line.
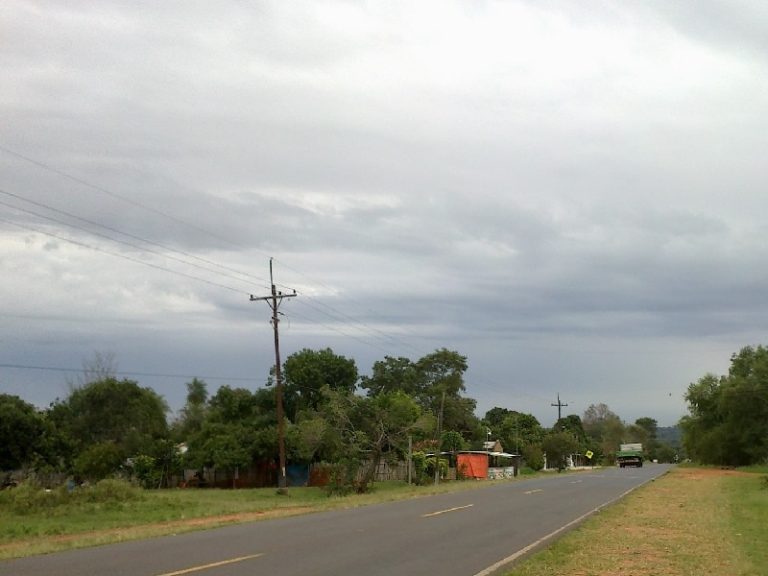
x=30, y=497
x=99, y=461
x=430, y=469
x=533, y=456
x=419, y=470
x=342, y=478
x=147, y=471
x=108, y=491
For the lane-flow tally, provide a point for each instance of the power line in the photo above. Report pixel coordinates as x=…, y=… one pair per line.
x=117, y=240
x=117, y=231
x=117, y=254
x=128, y=373
x=340, y=315
x=103, y=190
x=353, y=301
x=106, y=191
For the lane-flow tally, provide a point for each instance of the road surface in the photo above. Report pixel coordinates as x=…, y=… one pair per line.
x=469, y=533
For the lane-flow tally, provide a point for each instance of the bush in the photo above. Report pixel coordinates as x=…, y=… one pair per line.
x=30, y=497
x=107, y=491
x=419, y=470
x=430, y=468
x=147, y=471
x=342, y=478
x=533, y=456
x=99, y=461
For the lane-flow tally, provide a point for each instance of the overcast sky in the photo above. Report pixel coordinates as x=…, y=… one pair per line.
x=571, y=194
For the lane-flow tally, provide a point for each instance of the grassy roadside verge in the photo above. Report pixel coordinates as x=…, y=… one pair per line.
x=691, y=521
x=134, y=513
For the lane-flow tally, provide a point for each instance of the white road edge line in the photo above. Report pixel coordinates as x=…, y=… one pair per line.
x=511, y=558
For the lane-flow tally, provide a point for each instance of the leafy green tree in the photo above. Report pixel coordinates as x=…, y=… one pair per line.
x=605, y=431
x=649, y=428
x=232, y=405
x=666, y=453
x=227, y=446
x=649, y=425
x=308, y=437
x=113, y=418
x=306, y=374
x=573, y=425
x=440, y=373
x=517, y=430
x=728, y=416
x=638, y=434
x=558, y=446
x=452, y=441
x=22, y=430
x=495, y=417
x=372, y=426
x=239, y=428
x=533, y=456
x=99, y=460
x=392, y=375
x=194, y=412
x=440, y=388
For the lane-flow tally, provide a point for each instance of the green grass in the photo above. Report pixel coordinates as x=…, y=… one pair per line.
x=692, y=521
x=33, y=521
x=748, y=516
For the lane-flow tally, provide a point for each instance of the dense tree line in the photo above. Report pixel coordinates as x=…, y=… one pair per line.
x=728, y=420
x=333, y=415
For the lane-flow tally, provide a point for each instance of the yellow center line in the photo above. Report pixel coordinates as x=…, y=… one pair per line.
x=534, y=491
x=445, y=511
x=209, y=566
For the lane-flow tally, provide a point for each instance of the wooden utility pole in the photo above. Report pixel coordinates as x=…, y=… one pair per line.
x=560, y=406
x=274, y=300
x=439, y=438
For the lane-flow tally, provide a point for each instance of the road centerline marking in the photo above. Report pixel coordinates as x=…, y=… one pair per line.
x=212, y=565
x=446, y=511
x=533, y=491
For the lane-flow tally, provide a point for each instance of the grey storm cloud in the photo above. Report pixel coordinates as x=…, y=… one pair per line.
x=569, y=195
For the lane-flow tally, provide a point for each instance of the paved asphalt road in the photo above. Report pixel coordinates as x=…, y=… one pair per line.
x=468, y=533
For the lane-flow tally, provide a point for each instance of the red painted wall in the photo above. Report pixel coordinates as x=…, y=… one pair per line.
x=472, y=465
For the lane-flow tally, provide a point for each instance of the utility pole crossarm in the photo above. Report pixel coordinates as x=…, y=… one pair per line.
x=278, y=295
x=559, y=406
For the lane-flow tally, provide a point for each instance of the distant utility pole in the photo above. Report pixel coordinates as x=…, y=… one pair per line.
x=559, y=407
x=274, y=301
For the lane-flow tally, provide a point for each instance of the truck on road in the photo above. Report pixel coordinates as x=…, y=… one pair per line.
x=630, y=455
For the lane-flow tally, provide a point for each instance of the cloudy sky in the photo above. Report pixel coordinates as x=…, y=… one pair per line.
x=571, y=194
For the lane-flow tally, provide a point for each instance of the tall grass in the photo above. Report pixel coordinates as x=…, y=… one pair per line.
x=30, y=498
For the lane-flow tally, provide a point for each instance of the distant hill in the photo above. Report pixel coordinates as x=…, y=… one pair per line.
x=671, y=435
